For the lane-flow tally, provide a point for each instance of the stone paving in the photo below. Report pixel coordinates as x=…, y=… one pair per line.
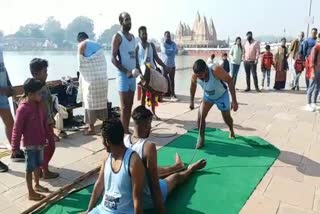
x=292, y=185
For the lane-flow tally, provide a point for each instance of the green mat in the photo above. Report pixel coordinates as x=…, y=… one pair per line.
x=234, y=169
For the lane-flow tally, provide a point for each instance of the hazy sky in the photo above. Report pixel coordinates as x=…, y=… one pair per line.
x=231, y=17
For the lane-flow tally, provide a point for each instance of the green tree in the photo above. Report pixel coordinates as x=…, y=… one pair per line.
x=30, y=30
x=80, y=24
x=106, y=36
x=53, y=31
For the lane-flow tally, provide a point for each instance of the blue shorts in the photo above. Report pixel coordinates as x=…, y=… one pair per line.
x=223, y=102
x=148, y=202
x=4, y=102
x=126, y=84
x=34, y=159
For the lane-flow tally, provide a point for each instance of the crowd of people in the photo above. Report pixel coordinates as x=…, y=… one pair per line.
x=130, y=179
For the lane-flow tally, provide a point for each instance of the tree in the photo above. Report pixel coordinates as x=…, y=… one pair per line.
x=30, y=30
x=106, y=36
x=80, y=24
x=53, y=31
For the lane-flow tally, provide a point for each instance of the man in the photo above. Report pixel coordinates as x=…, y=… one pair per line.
x=306, y=50
x=212, y=80
x=156, y=190
x=169, y=51
x=124, y=58
x=295, y=49
x=314, y=86
x=121, y=175
x=93, y=81
x=146, y=53
x=250, y=58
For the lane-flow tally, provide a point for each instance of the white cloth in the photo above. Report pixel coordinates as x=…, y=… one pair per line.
x=62, y=114
x=93, y=82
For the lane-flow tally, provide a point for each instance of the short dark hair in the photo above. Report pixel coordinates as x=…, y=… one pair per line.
x=32, y=85
x=249, y=32
x=314, y=29
x=225, y=54
x=142, y=28
x=283, y=39
x=141, y=114
x=112, y=131
x=82, y=35
x=212, y=56
x=166, y=32
x=268, y=47
x=36, y=65
x=199, y=66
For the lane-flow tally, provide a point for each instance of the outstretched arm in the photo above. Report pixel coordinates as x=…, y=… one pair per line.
x=137, y=178
x=221, y=74
x=115, y=49
x=193, y=88
x=98, y=187
x=152, y=174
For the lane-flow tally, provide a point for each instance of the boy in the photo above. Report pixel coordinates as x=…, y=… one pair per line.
x=225, y=63
x=31, y=116
x=298, y=67
x=266, y=63
x=38, y=68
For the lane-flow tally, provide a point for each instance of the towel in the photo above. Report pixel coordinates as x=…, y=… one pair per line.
x=93, y=81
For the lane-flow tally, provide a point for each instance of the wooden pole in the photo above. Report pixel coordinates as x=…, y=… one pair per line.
x=61, y=191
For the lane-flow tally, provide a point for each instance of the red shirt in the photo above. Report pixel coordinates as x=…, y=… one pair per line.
x=267, y=60
x=31, y=123
x=299, y=65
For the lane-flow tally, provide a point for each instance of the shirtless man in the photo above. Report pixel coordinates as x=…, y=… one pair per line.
x=121, y=175
x=156, y=191
x=124, y=58
x=212, y=79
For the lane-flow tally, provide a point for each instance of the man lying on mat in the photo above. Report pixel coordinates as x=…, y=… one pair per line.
x=121, y=176
x=212, y=79
x=155, y=190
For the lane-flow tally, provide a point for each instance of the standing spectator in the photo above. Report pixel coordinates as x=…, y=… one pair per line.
x=124, y=58
x=211, y=59
x=93, y=82
x=39, y=70
x=251, y=56
x=295, y=49
x=314, y=86
x=306, y=50
x=266, y=64
x=31, y=116
x=299, y=65
x=169, y=51
x=236, y=54
x=281, y=65
x=225, y=63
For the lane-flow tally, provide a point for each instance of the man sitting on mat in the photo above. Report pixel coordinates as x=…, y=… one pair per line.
x=155, y=190
x=121, y=175
x=212, y=79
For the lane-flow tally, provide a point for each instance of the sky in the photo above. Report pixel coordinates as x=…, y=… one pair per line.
x=231, y=17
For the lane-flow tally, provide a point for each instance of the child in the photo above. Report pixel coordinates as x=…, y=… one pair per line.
x=38, y=68
x=266, y=63
x=31, y=123
x=225, y=63
x=298, y=67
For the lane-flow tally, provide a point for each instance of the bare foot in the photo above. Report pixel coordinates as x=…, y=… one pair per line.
x=200, y=143
x=39, y=188
x=179, y=162
x=200, y=164
x=232, y=135
x=50, y=175
x=35, y=196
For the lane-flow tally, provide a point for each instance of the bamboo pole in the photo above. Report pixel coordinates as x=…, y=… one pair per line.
x=61, y=191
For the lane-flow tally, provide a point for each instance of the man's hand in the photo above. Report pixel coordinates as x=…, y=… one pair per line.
x=129, y=74
x=234, y=106
x=191, y=105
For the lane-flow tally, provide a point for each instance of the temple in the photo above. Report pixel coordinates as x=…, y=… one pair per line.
x=202, y=34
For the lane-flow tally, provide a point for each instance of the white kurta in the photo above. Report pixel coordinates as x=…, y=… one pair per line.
x=93, y=82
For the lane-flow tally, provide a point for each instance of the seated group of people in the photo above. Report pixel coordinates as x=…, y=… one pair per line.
x=130, y=179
